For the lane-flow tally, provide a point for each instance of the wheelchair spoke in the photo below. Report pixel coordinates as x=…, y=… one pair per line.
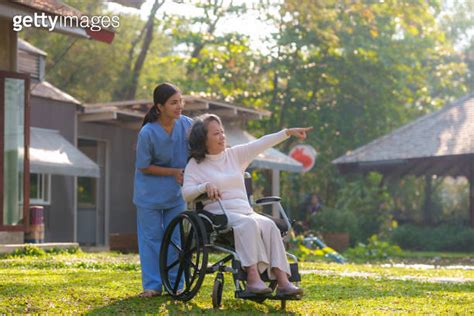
x=178, y=248
x=183, y=258
x=189, y=239
x=178, y=276
x=169, y=267
x=189, y=252
x=194, y=265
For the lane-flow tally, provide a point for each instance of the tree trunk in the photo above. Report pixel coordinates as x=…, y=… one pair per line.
x=211, y=28
x=130, y=76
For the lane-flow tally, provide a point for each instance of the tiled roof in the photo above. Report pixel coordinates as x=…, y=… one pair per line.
x=51, y=6
x=446, y=132
x=46, y=90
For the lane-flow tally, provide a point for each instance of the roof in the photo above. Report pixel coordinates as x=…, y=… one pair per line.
x=269, y=159
x=27, y=47
x=130, y=113
x=51, y=153
x=198, y=104
x=46, y=90
x=446, y=132
x=50, y=6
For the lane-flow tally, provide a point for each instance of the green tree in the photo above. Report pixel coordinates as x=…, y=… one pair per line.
x=355, y=71
x=93, y=71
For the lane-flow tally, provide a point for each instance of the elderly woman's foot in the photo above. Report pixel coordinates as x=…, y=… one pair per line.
x=290, y=289
x=258, y=288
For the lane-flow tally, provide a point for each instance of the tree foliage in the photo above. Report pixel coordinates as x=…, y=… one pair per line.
x=354, y=70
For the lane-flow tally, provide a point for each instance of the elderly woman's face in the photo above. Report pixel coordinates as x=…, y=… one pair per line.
x=215, y=142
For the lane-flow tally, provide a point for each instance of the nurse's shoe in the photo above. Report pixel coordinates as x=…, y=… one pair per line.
x=150, y=293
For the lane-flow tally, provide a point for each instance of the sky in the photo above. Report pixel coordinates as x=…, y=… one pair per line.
x=247, y=24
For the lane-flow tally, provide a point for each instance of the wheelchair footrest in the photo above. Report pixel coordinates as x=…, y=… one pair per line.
x=248, y=295
x=271, y=296
x=286, y=297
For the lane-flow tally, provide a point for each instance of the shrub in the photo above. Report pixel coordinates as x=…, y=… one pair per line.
x=28, y=250
x=362, y=208
x=35, y=251
x=69, y=250
x=334, y=220
x=374, y=250
x=440, y=238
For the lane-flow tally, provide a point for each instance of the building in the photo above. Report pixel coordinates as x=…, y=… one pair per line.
x=15, y=97
x=440, y=143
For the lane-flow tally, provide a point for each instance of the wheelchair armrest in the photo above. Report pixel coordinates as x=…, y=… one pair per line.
x=201, y=198
x=275, y=200
x=268, y=200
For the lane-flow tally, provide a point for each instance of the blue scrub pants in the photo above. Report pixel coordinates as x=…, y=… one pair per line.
x=151, y=225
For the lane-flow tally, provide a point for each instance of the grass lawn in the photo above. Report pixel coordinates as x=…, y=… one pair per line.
x=108, y=282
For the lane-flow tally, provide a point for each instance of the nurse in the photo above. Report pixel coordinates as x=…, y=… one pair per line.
x=161, y=155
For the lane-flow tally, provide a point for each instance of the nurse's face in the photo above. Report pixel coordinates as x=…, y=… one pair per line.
x=173, y=107
x=215, y=142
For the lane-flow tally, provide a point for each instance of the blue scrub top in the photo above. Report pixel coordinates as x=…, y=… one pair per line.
x=156, y=147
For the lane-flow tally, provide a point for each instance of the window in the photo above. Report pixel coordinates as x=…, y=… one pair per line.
x=40, y=189
x=14, y=172
x=13, y=155
x=86, y=189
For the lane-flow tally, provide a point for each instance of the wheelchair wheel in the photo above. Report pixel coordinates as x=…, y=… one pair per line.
x=217, y=290
x=183, y=256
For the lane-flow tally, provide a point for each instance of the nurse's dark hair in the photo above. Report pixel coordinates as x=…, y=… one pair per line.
x=198, y=136
x=161, y=94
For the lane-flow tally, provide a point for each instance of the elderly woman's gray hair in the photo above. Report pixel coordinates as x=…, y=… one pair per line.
x=198, y=136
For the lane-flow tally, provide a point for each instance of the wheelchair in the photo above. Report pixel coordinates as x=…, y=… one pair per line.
x=192, y=235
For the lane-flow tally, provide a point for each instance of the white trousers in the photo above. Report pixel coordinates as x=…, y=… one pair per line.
x=258, y=241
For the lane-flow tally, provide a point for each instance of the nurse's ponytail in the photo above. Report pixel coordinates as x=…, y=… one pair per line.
x=161, y=94
x=152, y=115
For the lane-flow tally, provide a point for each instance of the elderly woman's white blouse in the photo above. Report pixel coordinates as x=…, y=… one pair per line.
x=225, y=170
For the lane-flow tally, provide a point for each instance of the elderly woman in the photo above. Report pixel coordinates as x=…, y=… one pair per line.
x=218, y=170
